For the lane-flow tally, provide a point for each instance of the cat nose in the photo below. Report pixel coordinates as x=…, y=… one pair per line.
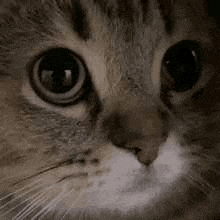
x=136, y=129
x=117, y=132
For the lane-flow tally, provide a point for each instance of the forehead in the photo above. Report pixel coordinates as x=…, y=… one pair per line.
x=128, y=12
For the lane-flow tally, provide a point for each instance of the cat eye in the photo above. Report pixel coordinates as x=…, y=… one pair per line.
x=59, y=76
x=182, y=65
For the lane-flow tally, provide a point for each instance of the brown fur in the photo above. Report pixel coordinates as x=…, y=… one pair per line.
x=122, y=152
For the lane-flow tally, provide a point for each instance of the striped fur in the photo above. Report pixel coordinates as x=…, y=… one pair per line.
x=132, y=147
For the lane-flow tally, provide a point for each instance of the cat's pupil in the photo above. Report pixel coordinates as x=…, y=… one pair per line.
x=58, y=74
x=181, y=62
x=58, y=81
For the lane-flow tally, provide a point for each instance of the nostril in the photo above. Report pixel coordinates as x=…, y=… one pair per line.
x=145, y=151
x=125, y=143
x=134, y=150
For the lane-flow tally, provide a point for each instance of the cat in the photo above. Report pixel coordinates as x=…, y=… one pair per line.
x=109, y=109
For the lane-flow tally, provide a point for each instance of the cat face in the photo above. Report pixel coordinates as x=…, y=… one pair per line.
x=109, y=109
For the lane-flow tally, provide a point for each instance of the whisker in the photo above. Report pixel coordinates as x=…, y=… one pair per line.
x=66, y=213
x=32, y=205
x=213, y=167
x=30, y=208
x=214, y=170
x=207, y=157
x=50, y=205
x=200, y=183
x=69, y=209
x=205, y=182
x=192, y=181
x=18, y=191
x=21, y=203
x=20, y=196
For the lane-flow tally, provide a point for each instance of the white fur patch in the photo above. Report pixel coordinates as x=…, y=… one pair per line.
x=130, y=184
x=169, y=165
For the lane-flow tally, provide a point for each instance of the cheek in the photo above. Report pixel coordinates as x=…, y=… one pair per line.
x=170, y=163
x=29, y=139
